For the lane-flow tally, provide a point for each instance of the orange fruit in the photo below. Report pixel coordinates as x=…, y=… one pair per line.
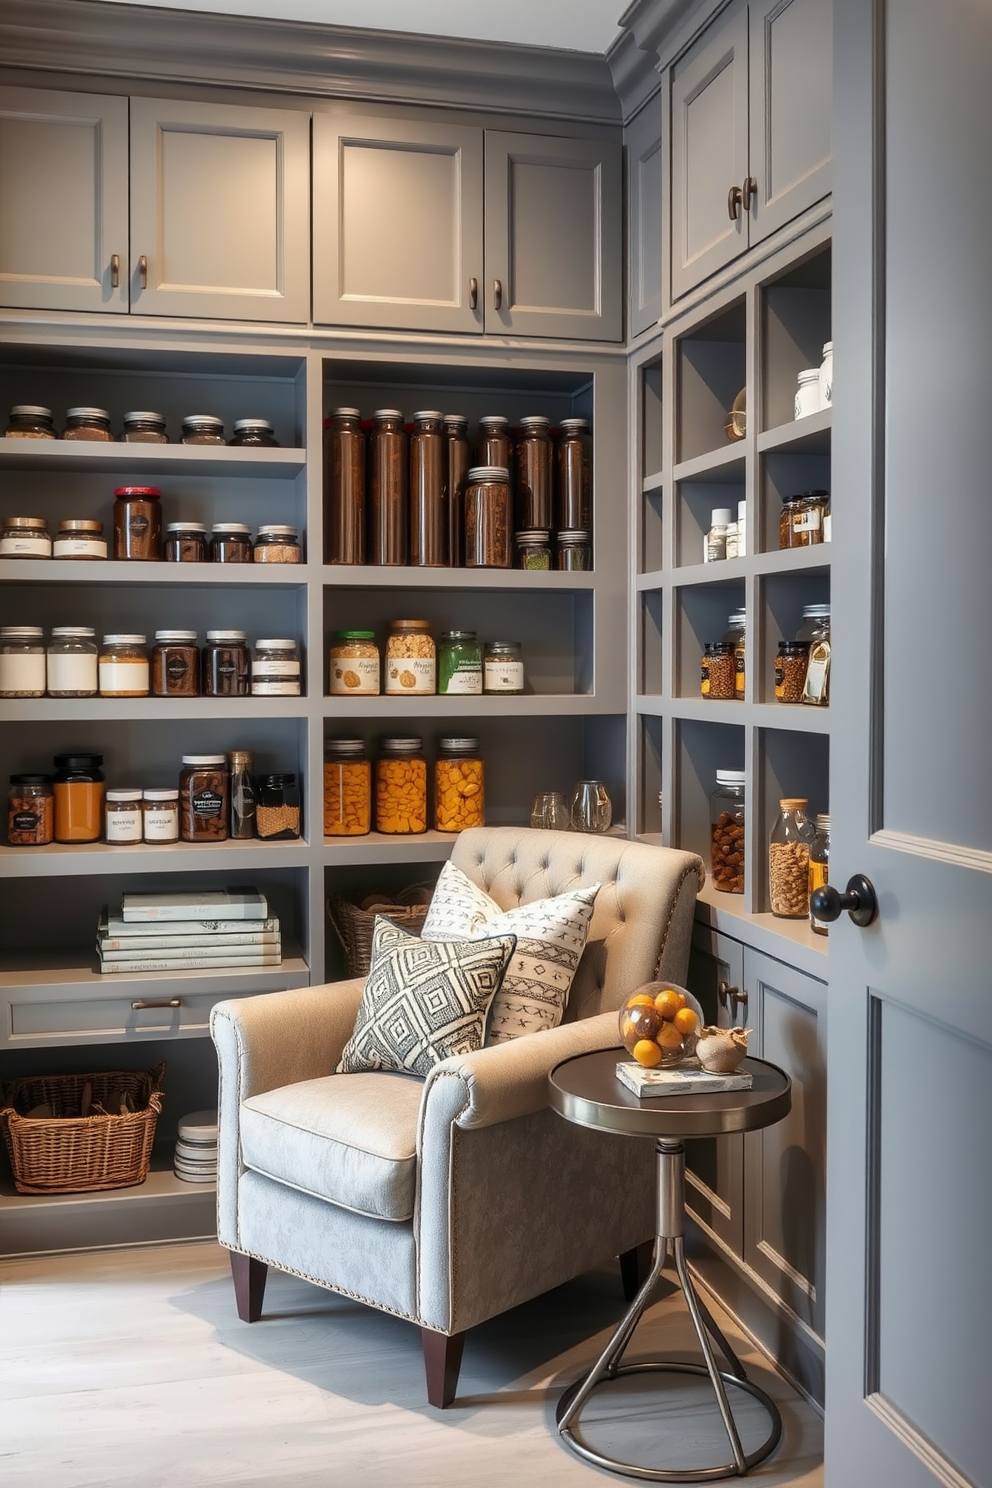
x=685, y=1020
x=640, y=999
x=682, y=999
x=667, y=1003
x=646, y=1052
x=668, y=1037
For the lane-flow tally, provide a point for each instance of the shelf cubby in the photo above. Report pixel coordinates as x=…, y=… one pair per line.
x=694, y=507
x=650, y=776
x=702, y=748
x=702, y=611
x=794, y=323
x=711, y=369
x=788, y=763
x=652, y=457
x=785, y=473
x=650, y=647
x=780, y=613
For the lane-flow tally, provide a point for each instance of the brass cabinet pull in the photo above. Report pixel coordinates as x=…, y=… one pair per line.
x=497, y=293
x=473, y=294
x=115, y=271
x=731, y=999
x=748, y=193
x=142, y=272
x=142, y=1004
x=734, y=199
x=724, y=992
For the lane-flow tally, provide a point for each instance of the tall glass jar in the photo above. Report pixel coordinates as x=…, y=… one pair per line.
x=78, y=788
x=22, y=661
x=389, y=529
x=727, y=840
x=459, y=786
x=91, y=424
x=411, y=659
x=487, y=518
x=459, y=664
x=456, y=475
x=138, y=523
x=242, y=794
x=819, y=868
x=203, y=798
x=735, y=636
x=533, y=472
x=816, y=630
x=574, y=474
x=788, y=859
x=495, y=445
x=347, y=789
x=428, y=516
x=30, y=421
x=401, y=787
x=142, y=427
x=72, y=662
x=344, y=465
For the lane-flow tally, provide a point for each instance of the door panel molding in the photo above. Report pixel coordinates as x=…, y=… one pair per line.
x=894, y=1421
x=937, y=852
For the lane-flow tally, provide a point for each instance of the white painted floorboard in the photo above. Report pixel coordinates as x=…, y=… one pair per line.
x=130, y=1369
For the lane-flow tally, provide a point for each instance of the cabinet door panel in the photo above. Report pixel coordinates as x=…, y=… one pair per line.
x=709, y=153
x=644, y=217
x=790, y=88
x=63, y=185
x=397, y=224
x=220, y=210
x=554, y=236
x=714, y=1165
x=785, y=1165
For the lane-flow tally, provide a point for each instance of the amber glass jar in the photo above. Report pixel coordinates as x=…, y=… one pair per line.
x=138, y=523
x=88, y=423
x=78, y=788
x=186, y=542
x=428, y=518
x=347, y=789
x=255, y=433
x=487, y=518
x=175, y=664
x=344, y=474
x=388, y=459
x=202, y=428
x=203, y=798
x=411, y=659
x=456, y=474
x=29, y=421
x=230, y=542
x=459, y=786
x=574, y=474
x=401, y=787
x=533, y=468
x=142, y=427
x=495, y=445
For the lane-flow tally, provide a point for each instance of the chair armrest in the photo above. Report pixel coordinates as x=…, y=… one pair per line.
x=283, y=1037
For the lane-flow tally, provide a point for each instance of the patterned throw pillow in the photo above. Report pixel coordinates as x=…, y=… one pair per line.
x=423, y=1002
x=550, y=935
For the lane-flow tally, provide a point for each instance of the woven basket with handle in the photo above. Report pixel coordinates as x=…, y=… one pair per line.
x=354, y=922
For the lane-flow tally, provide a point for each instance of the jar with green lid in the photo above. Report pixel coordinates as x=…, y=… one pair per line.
x=354, y=664
x=574, y=551
x=30, y=421
x=91, y=424
x=534, y=550
x=401, y=787
x=459, y=786
x=459, y=664
x=502, y=668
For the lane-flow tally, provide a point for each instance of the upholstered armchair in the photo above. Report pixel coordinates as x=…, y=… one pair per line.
x=450, y=1199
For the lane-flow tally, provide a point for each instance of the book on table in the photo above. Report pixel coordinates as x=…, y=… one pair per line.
x=678, y=1080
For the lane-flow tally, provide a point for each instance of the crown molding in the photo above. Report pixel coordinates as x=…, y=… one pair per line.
x=156, y=45
x=635, y=74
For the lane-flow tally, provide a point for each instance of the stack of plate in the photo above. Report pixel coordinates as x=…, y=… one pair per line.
x=196, y=1149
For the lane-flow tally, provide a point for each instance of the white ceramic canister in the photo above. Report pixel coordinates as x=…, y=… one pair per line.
x=808, y=392
x=827, y=375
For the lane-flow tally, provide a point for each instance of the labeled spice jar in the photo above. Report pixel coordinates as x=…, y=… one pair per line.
x=534, y=458
x=354, y=664
x=175, y=668
x=230, y=542
x=78, y=537
x=275, y=669
x=22, y=661
x=401, y=787
x=123, y=667
x=225, y=665
x=30, y=421
x=574, y=552
x=160, y=815
x=30, y=811
x=344, y=475
x=574, y=475
x=78, y=791
x=801, y=519
x=138, y=523
x=815, y=629
x=123, y=822
x=459, y=664
x=277, y=543
x=255, y=433
x=428, y=515
x=88, y=423
x=502, y=668
x=715, y=539
x=203, y=798
x=736, y=636
x=71, y=662
x=727, y=840
x=202, y=428
x=142, y=427
x=457, y=460
x=791, y=661
x=534, y=550
x=277, y=813
x=186, y=542
x=388, y=463
x=411, y=659
x=243, y=796
x=788, y=860
x=718, y=671
x=487, y=518
x=819, y=868
x=25, y=537
x=347, y=788
x=459, y=786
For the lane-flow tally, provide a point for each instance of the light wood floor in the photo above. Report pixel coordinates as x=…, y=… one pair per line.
x=130, y=1369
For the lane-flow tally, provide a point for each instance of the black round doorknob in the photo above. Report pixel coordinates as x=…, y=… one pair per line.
x=859, y=899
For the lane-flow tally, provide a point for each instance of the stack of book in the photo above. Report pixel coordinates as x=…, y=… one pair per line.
x=685, y=1079
x=188, y=931
x=196, y=1148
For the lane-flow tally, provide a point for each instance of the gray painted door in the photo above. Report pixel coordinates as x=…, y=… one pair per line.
x=791, y=45
x=909, y=1305
x=709, y=152
x=554, y=236
x=642, y=138
x=220, y=211
x=63, y=185
x=397, y=224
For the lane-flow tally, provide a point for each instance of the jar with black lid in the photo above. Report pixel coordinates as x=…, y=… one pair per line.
x=487, y=518
x=255, y=432
x=230, y=542
x=456, y=474
x=344, y=475
x=202, y=428
x=389, y=528
x=138, y=524
x=186, y=542
x=428, y=517
x=78, y=788
x=203, y=798
x=30, y=421
x=574, y=475
x=226, y=664
x=142, y=427
x=574, y=552
x=88, y=423
x=277, y=810
x=30, y=811
x=175, y=664
x=533, y=469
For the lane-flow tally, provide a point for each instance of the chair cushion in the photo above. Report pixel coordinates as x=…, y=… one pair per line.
x=551, y=935
x=423, y=1002
x=350, y=1141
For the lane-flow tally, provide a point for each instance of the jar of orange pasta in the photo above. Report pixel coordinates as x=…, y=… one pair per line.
x=459, y=787
x=401, y=787
x=347, y=788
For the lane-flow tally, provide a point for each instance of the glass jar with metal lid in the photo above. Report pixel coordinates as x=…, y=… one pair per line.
x=718, y=671
x=411, y=659
x=160, y=815
x=72, y=662
x=30, y=811
x=347, y=788
x=257, y=432
x=389, y=524
x=278, y=814
x=25, y=537
x=495, y=443
x=456, y=475
x=78, y=788
x=344, y=484
x=816, y=630
x=354, y=664
x=277, y=543
x=401, y=787
x=275, y=669
x=186, y=542
x=727, y=840
x=819, y=868
x=735, y=636
x=142, y=427
x=534, y=550
x=22, y=661
x=226, y=665
x=459, y=785
x=574, y=552
x=791, y=661
x=122, y=820
x=428, y=513
x=230, y=542
x=574, y=475
x=88, y=423
x=488, y=531
x=138, y=524
x=202, y=428
x=459, y=664
x=534, y=458
x=175, y=664
x=123, y=666
x=203, y=798
x=502, y=668
x=78, y=537
x=30, y=421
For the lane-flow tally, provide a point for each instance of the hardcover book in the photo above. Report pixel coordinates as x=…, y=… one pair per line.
x=678, y=1080
x=117, y=927
x=191, y=963
x=205, y=949
x=231, y=904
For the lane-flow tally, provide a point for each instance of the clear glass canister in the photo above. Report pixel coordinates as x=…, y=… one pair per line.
x=30, y=811
x=727, y=840
x=25, y=537
x=819, y=867
x=487, y=518
x=78, y=788
x=401, y=787
x=411, y=659
x=354, y=664
x=202, y=428
x=791, y=661
x=534, y=458
x=389, y=526
x=277, y=810
x=72, y=662
x=22, y=661
x=203, y=798
x=123, y=666
x=347, y=788
x=456, y=475
x=736, y=636
x=495, y=444
x=534, y=550
x=160, y=815
x=459, y=664
x=123, y=823
x=502, y=668
x=30, y=421
x=143, y=427
x=277, y=543
x=718, y=671
x=78, y=537
x=175, y=667
x=225, y=666
x=574, y=552
x=790, y=507
x=275, y=669
x=138, y=523
x=815, y=629
x=788, y=859
x=186, y=542
x=88, y=423
x=230, y=542
x=574, y=475
x=428, y=492
x=244, y=796
x=255, y=433
x=344, y=484
x=459, y=786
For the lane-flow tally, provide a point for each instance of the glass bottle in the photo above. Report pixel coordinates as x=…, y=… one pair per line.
x=727, y=839
x=735, y=636
x=456, y=475
x=459, y=786
x=487, y=518
x=138, y=523
x=428, y=517
x=819, y=867
x=459, y=664
x=388, y=486
x=78, y=787
x=347, y=789
x=533, y=473
x=788, y=859
x=401, y=787
x=344, y=450
x=241, y=794
x=72, y=662
x=574, y=474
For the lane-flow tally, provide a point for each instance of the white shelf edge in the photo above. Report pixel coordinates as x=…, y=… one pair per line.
x=541, y=705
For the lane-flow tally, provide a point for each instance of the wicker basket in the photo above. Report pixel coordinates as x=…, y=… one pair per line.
x=354, y=922
x=69, y=1153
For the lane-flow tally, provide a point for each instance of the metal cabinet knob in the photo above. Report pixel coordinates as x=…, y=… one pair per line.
x=734, y=198
x=748, y=193
x=142, y=272
x=859, y=899
x=473, y=294
x=115, y=271
x=142, y=1004
x=731, y=999
x=498, y=293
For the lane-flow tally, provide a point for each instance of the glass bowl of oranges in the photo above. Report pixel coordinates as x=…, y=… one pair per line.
x=659, y=1024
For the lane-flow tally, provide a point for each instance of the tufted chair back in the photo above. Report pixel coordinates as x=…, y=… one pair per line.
x=642, y=919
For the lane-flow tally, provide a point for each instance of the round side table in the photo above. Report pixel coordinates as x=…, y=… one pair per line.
x=586, y=1090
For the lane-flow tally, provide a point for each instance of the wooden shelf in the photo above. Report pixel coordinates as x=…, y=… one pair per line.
x=141, y=460
x=140, y=710
x=75, y=859
x=365, y=576
x=806, y=436
x=715, y=465
x=178, y=575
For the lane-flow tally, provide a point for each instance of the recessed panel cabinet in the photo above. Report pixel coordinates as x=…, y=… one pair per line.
x=645, y=186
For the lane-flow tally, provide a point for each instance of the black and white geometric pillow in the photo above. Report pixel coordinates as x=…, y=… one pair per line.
x=423, y=1001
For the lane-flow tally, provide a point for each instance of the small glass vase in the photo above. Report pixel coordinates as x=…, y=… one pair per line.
x=591, y=810
x=550, y=812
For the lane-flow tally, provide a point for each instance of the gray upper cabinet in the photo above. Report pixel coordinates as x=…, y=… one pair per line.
x=643, y=140
x=63, y=186
x=750, y=132
x=220, y=211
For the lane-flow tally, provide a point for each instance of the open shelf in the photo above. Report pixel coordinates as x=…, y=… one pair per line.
x=61, y=859
x=150, y=709
x=97, y=572
x=134, y=463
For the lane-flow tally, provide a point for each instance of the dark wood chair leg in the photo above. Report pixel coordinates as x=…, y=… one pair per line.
x=634, y=1267
x=442, y=1361
x=249, y=1285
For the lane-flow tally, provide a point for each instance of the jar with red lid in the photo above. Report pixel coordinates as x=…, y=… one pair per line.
x=138, y=523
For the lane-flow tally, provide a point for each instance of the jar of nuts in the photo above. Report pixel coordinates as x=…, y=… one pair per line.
x=459, y=786
x=401, y=787
x=411, y=659
x=354, y=664
x=203, y=798
x=347, y=789
x=788, y=859
x=727, y=841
